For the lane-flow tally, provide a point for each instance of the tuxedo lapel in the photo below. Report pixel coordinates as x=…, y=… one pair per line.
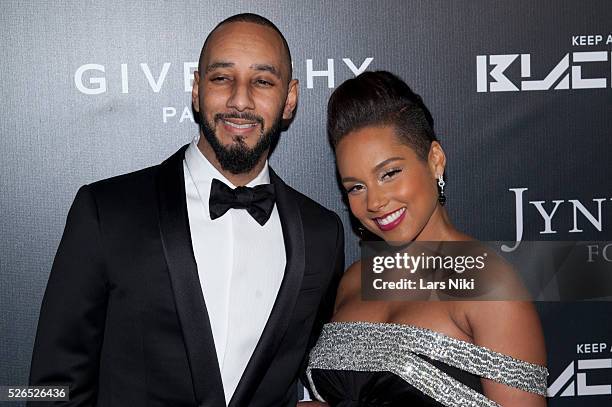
x=293, y=235
x=190, y=305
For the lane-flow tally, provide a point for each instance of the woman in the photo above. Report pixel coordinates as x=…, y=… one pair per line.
x=405, y=353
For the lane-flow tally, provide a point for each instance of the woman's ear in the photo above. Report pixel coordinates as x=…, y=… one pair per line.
x=436, y=159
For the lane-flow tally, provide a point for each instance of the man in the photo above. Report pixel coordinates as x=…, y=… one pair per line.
x=177, y=285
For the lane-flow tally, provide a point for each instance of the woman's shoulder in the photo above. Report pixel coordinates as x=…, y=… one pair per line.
x=495, y=279
x=350, y=284
x=509, y=327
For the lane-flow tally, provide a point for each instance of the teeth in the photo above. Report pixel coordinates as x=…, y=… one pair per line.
x=240, y=126
x=390, y=218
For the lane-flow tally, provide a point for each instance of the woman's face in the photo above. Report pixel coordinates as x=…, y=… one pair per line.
x=390, y=190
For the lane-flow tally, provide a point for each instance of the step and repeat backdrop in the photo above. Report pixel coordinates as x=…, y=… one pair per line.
x=520, y=91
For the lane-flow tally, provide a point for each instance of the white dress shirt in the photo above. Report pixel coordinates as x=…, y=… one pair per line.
x=240, y=264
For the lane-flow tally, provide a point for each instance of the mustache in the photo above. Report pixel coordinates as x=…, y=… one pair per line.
x=236, y=115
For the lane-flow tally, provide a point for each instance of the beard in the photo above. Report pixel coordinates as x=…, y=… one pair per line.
x=239, y=158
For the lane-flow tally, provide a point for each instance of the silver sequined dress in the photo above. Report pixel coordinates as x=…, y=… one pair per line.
x=384, y=364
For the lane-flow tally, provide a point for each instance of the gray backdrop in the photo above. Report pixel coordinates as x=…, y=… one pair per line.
x=92, y=89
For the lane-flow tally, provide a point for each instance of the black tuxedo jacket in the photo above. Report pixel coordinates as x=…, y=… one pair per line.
x=124, y=323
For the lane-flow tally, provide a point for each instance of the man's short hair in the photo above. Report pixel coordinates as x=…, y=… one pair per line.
x=255, y=19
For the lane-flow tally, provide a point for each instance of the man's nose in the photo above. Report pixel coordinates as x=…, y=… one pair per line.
x=241, y=98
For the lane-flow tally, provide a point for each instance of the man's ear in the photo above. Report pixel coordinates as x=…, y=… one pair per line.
x=436, y=159
x=195, y=91
x=292, y=98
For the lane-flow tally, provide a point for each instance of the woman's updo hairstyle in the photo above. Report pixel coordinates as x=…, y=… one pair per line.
x=380, y=99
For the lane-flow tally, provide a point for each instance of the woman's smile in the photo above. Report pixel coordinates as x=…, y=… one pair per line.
x=391, y=220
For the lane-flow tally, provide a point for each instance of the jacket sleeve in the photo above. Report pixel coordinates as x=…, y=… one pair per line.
x=326, y=307
x=72, y=316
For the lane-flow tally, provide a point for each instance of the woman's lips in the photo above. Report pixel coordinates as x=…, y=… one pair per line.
x=391, y=220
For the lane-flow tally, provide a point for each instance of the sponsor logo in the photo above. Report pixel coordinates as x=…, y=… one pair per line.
x=92, y=79
x=574, y=379
x=583, y=213
x=492, y=76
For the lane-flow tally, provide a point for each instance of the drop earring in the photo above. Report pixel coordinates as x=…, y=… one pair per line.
x=441, y=196
x=361, y=231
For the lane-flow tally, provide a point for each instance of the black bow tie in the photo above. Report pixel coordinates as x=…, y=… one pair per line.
x=258, y=201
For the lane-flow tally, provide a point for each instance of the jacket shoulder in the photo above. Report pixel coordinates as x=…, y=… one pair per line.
x=126, y=180
x=140, y=180
x=311, y=208
x=122, y=192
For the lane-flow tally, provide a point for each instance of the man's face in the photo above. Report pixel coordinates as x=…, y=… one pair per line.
x=242, y=93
